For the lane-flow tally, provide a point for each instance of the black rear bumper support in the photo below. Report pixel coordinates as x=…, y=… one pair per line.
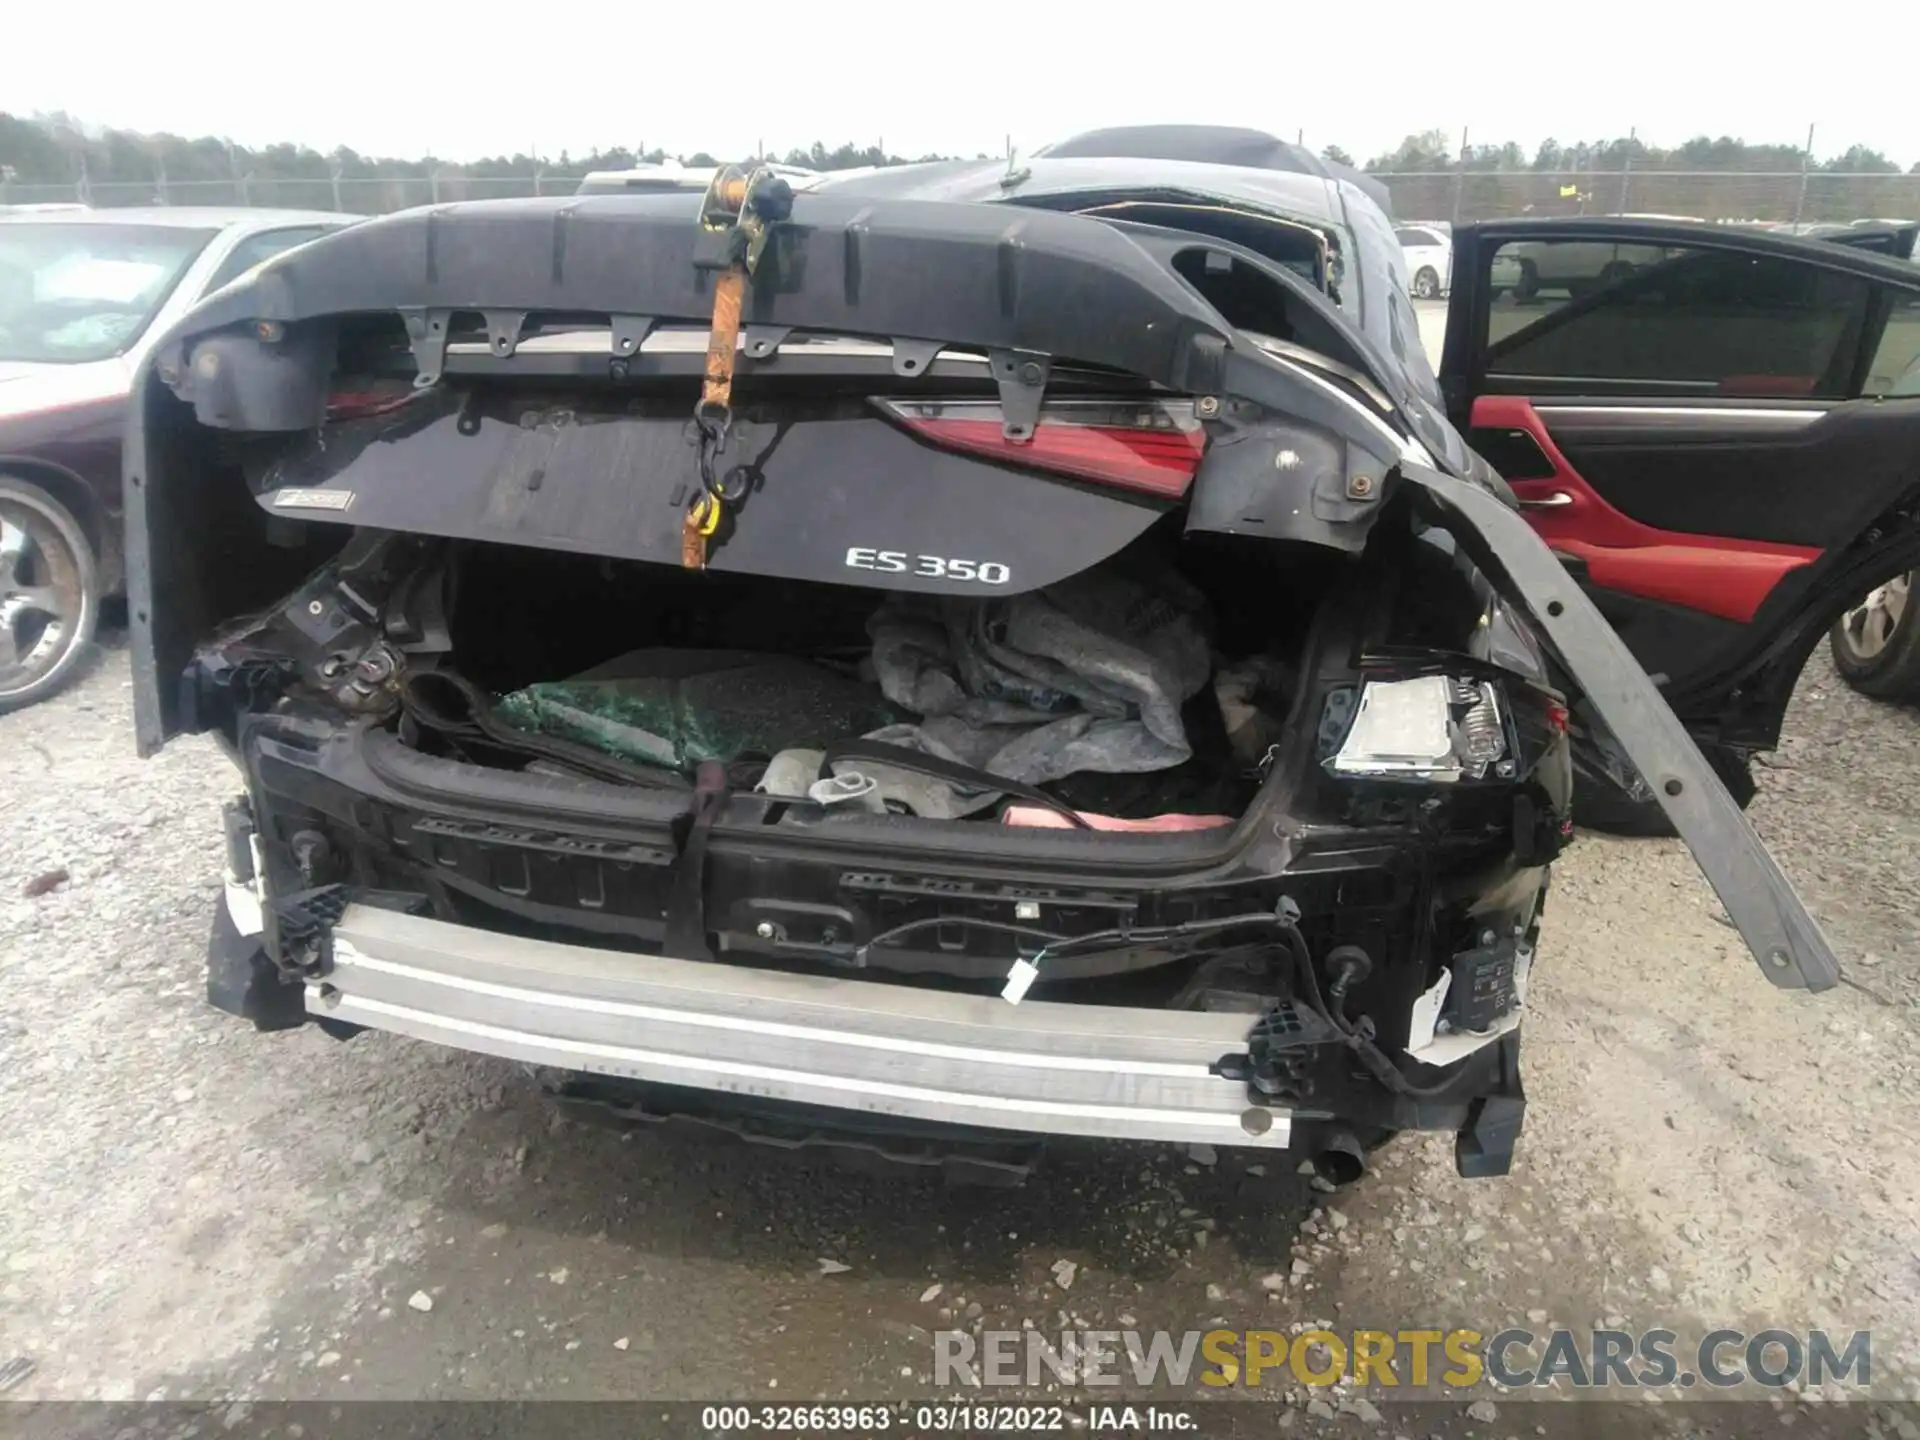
x=1484, y=1145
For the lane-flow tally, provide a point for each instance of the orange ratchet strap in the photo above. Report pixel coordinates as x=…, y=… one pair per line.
x=739, y=205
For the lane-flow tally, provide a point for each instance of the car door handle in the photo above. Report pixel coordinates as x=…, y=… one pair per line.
x=1546, y=502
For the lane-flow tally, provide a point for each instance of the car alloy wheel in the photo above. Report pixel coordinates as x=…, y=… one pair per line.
x=1426, y=284
x=1869, y=628
x=1876, y=644
x=49, y=599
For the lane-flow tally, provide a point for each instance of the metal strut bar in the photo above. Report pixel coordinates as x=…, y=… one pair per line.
x=740, y=205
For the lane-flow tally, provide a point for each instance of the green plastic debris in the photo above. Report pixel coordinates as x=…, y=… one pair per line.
x=675, y=708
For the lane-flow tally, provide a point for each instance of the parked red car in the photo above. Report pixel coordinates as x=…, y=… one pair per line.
x=83, y=295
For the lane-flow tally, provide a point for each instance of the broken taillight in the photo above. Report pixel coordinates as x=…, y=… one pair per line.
x=1153, y=447
x=1431, y=727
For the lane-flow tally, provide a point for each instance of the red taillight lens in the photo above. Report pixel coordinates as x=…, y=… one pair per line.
x=1152, y=447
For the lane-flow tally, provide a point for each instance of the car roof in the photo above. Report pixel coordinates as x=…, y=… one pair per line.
x=1230, y=146
x=1200, y=144
x=1302, y=196
x=185, y=217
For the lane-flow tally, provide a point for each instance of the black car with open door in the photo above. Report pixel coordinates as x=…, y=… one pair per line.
x=1716, y=430
x=961, y=654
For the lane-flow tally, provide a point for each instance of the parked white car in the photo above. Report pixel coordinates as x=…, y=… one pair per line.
x=1429, y=252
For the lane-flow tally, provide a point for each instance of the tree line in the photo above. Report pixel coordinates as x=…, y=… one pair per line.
x=1714, y=178
x=56, y=150
x=1706, y=177
x=1433, y=150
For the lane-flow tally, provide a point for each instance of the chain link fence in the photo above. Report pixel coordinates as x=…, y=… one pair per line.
x=1786, y=197
x=1782, y=197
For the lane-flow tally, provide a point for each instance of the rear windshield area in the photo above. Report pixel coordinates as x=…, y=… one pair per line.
x=1298, y=247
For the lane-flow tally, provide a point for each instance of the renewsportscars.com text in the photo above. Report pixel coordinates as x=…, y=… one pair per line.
x=1514, y=1358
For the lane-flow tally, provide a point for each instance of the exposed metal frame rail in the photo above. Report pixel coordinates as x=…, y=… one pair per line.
x=1038, y=1067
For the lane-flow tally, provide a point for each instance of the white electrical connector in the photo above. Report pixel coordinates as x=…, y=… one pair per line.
x=1020, y=980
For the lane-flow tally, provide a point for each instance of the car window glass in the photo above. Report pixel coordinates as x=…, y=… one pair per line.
x=1896, y=361
x=256, y=249
x=1693, y=320
x=75, y=292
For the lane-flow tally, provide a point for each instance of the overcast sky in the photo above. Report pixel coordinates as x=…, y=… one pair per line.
x=464, y=81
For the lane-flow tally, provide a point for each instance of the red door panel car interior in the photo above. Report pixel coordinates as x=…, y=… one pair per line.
x=1711, y=573
x=1717, y=430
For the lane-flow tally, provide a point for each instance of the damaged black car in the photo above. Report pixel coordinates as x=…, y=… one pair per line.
x=954, y=656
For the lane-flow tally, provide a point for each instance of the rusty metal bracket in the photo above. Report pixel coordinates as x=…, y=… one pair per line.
x=427, y=339
x=1022, y=378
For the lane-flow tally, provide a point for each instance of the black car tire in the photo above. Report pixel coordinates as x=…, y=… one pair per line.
x=1876, y=645
x=1426, y=285
x=49, y=594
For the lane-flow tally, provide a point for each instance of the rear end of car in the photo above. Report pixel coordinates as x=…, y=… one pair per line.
x=1073, y=720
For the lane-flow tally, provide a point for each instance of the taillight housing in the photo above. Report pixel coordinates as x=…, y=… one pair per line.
x=1431, y=728
x=1151, y=447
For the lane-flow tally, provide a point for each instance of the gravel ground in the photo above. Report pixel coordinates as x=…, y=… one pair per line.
x=188, y=1208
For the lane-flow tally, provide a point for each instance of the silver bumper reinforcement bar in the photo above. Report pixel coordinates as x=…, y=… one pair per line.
x=1038, y=1067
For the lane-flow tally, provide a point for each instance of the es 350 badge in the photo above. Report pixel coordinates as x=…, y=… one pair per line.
x=929, y=567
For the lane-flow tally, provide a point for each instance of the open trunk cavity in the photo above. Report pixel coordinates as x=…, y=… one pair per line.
x=1144, y=693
